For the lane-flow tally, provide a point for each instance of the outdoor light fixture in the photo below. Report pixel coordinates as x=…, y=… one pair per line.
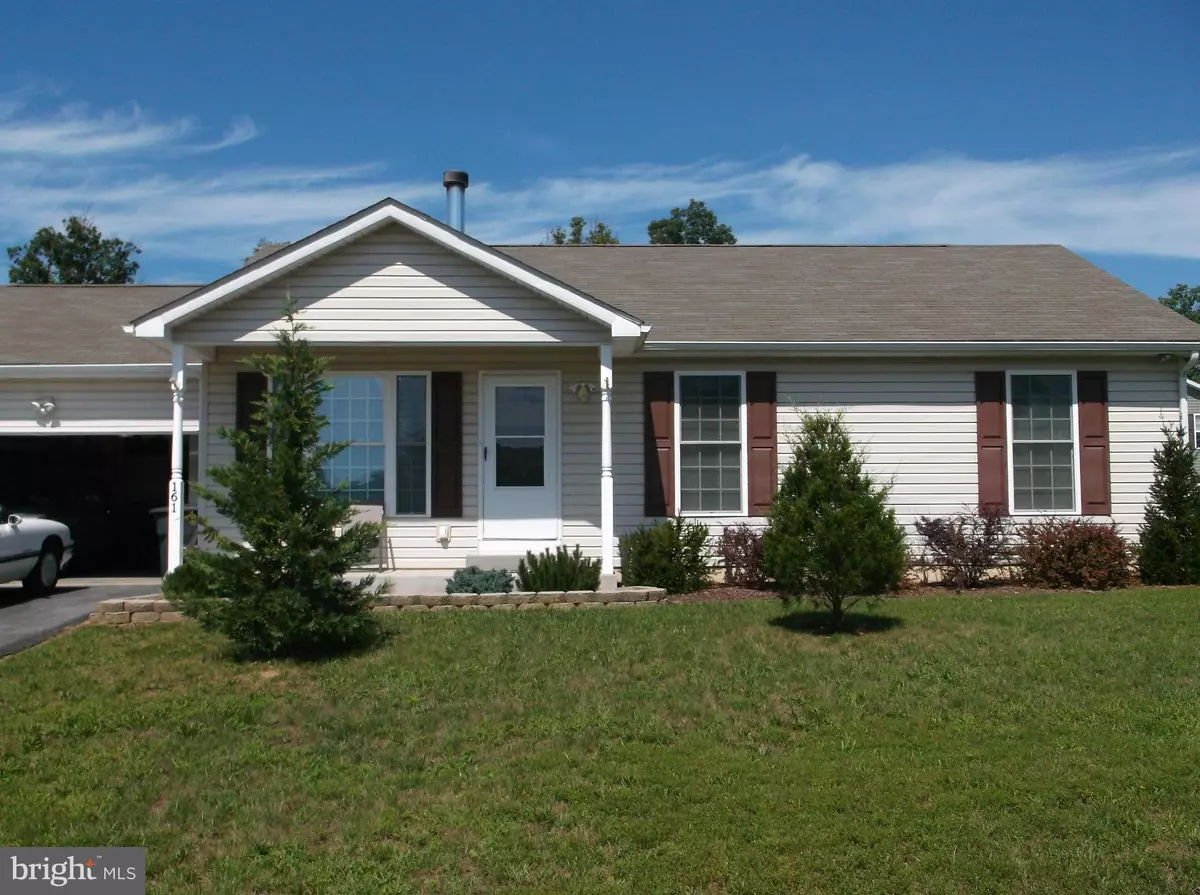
x=45, y=406
x=583, y=391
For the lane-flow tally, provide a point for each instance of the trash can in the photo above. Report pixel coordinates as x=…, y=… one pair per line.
x=160, y=526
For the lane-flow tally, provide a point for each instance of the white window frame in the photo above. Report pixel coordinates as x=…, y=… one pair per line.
x=1076, y=483
x=1196, y=431
x=742, y=432
x=388, y=379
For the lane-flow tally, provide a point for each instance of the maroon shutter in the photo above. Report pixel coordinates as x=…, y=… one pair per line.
x=761, y=435
x=1095, y=488
x=249, y=387
x=991, y=419
x=446, y=391
x=659, y=427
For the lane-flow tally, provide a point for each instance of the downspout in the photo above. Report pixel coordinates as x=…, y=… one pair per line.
x=1183, y=404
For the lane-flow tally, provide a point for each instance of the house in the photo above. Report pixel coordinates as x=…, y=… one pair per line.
x=500, y=399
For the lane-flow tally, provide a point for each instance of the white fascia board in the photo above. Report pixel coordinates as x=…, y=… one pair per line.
x=158, y=325
x=900, y=349
x=92, y=371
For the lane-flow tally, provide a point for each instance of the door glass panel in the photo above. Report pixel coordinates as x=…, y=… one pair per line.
x=520, y=436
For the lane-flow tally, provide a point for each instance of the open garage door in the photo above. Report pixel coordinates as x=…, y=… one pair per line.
x=103, y=487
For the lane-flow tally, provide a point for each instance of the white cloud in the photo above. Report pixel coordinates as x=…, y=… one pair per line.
x=170, y=187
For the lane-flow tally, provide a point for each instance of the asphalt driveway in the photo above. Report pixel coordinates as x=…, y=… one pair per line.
x=25, y=621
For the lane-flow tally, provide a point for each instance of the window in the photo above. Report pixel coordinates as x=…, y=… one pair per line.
x=711, y=472
x=520, y=436
x=1196, y=430
x=385, y=420
x=1043, y=452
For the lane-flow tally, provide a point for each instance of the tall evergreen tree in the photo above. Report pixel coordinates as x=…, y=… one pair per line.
x=832, y=537
x=1170, y=535
x=283, y=591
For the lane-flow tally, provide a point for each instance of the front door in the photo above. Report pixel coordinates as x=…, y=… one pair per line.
x=519, y=445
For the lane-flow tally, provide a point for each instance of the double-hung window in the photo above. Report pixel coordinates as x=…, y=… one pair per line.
x=385, y=421
x=712, y=436
x=1044, y=453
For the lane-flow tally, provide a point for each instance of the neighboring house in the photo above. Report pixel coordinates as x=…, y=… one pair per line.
x=507, y=398
x=1193, y=415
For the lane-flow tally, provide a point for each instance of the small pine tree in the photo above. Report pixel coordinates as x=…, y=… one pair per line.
x=283, y=592
x=1170, y=534
x=832, y=537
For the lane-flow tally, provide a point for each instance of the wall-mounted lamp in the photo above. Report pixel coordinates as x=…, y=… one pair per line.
x=443, y=535
x=44, y=406
x=583, y=391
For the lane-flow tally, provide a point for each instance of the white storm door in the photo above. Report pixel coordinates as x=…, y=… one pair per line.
x=519, y=449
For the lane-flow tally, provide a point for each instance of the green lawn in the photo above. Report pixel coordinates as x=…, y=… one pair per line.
x=976, y=744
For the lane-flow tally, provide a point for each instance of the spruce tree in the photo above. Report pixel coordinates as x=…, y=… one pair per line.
x=832, y=536
x=1170, y=534
x=281, y=590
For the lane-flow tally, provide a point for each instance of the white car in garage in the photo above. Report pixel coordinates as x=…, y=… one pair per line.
x=33, y=550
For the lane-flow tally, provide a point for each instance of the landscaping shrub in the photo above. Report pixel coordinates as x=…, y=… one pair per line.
x=281, y=590
x=474, y=580
x=1170, y=535
x=741, y=549
x=560, y=570
x=965, y=547
x=832, y=536
x=671, y=554
x=1073, y=553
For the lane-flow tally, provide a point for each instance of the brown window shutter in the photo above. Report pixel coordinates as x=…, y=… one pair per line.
x=447, y=445
x=991, y=419
x=1095, y=487
x=761, y=435
x=249, y=387
x=659, y=397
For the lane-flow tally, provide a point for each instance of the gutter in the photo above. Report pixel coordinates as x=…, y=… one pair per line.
x=92, y=371
x=924, y=349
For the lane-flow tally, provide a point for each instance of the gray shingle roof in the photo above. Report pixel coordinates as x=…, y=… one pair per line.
x=79, y=324
x=862, y=293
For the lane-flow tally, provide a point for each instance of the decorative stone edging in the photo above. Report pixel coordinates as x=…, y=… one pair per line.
x=148, y=610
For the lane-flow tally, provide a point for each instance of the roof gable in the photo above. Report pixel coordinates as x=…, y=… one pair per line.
x=157, y=323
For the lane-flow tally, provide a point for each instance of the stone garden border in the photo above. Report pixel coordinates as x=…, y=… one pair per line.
x=149, y=610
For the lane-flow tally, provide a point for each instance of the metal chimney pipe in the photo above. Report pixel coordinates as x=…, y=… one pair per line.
x=456, y=183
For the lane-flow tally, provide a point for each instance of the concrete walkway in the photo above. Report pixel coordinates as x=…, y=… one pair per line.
x=25, y=621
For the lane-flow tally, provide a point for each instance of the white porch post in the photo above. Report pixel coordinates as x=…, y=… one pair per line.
x=175, y=493
x=607, y=572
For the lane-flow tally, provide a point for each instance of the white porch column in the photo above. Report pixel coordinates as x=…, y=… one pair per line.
x=607, y=572
x=175, y=493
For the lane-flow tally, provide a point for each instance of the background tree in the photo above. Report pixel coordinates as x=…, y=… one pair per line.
x=695, y=225
x=283, y=592
x=78, y=254
x=1170, y=535
x=832, y=537
x=1184, y=299
x=599, y=234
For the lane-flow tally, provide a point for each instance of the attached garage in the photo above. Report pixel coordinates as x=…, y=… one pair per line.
x=85, y=420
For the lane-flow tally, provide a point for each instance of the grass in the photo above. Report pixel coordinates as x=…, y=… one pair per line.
x=964, y=744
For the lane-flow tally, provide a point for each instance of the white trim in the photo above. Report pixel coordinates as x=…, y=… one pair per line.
x=1076, y=476
x=93, y=371
x=1195, y=430
x=744, y=458
x=498, y=546
x=202, y=428
x=387, y=379
x=607, y=499
x=98, y=427
x=158, y=324
x=923, y=348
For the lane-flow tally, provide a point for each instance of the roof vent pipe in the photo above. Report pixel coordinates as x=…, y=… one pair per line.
x=456, y=183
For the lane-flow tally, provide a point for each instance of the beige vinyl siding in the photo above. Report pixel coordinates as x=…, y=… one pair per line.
x=915, y=422
x=412, y=541
x=94, y=406
x=394, y=286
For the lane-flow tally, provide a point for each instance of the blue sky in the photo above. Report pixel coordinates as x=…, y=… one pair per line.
x=195, y=129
